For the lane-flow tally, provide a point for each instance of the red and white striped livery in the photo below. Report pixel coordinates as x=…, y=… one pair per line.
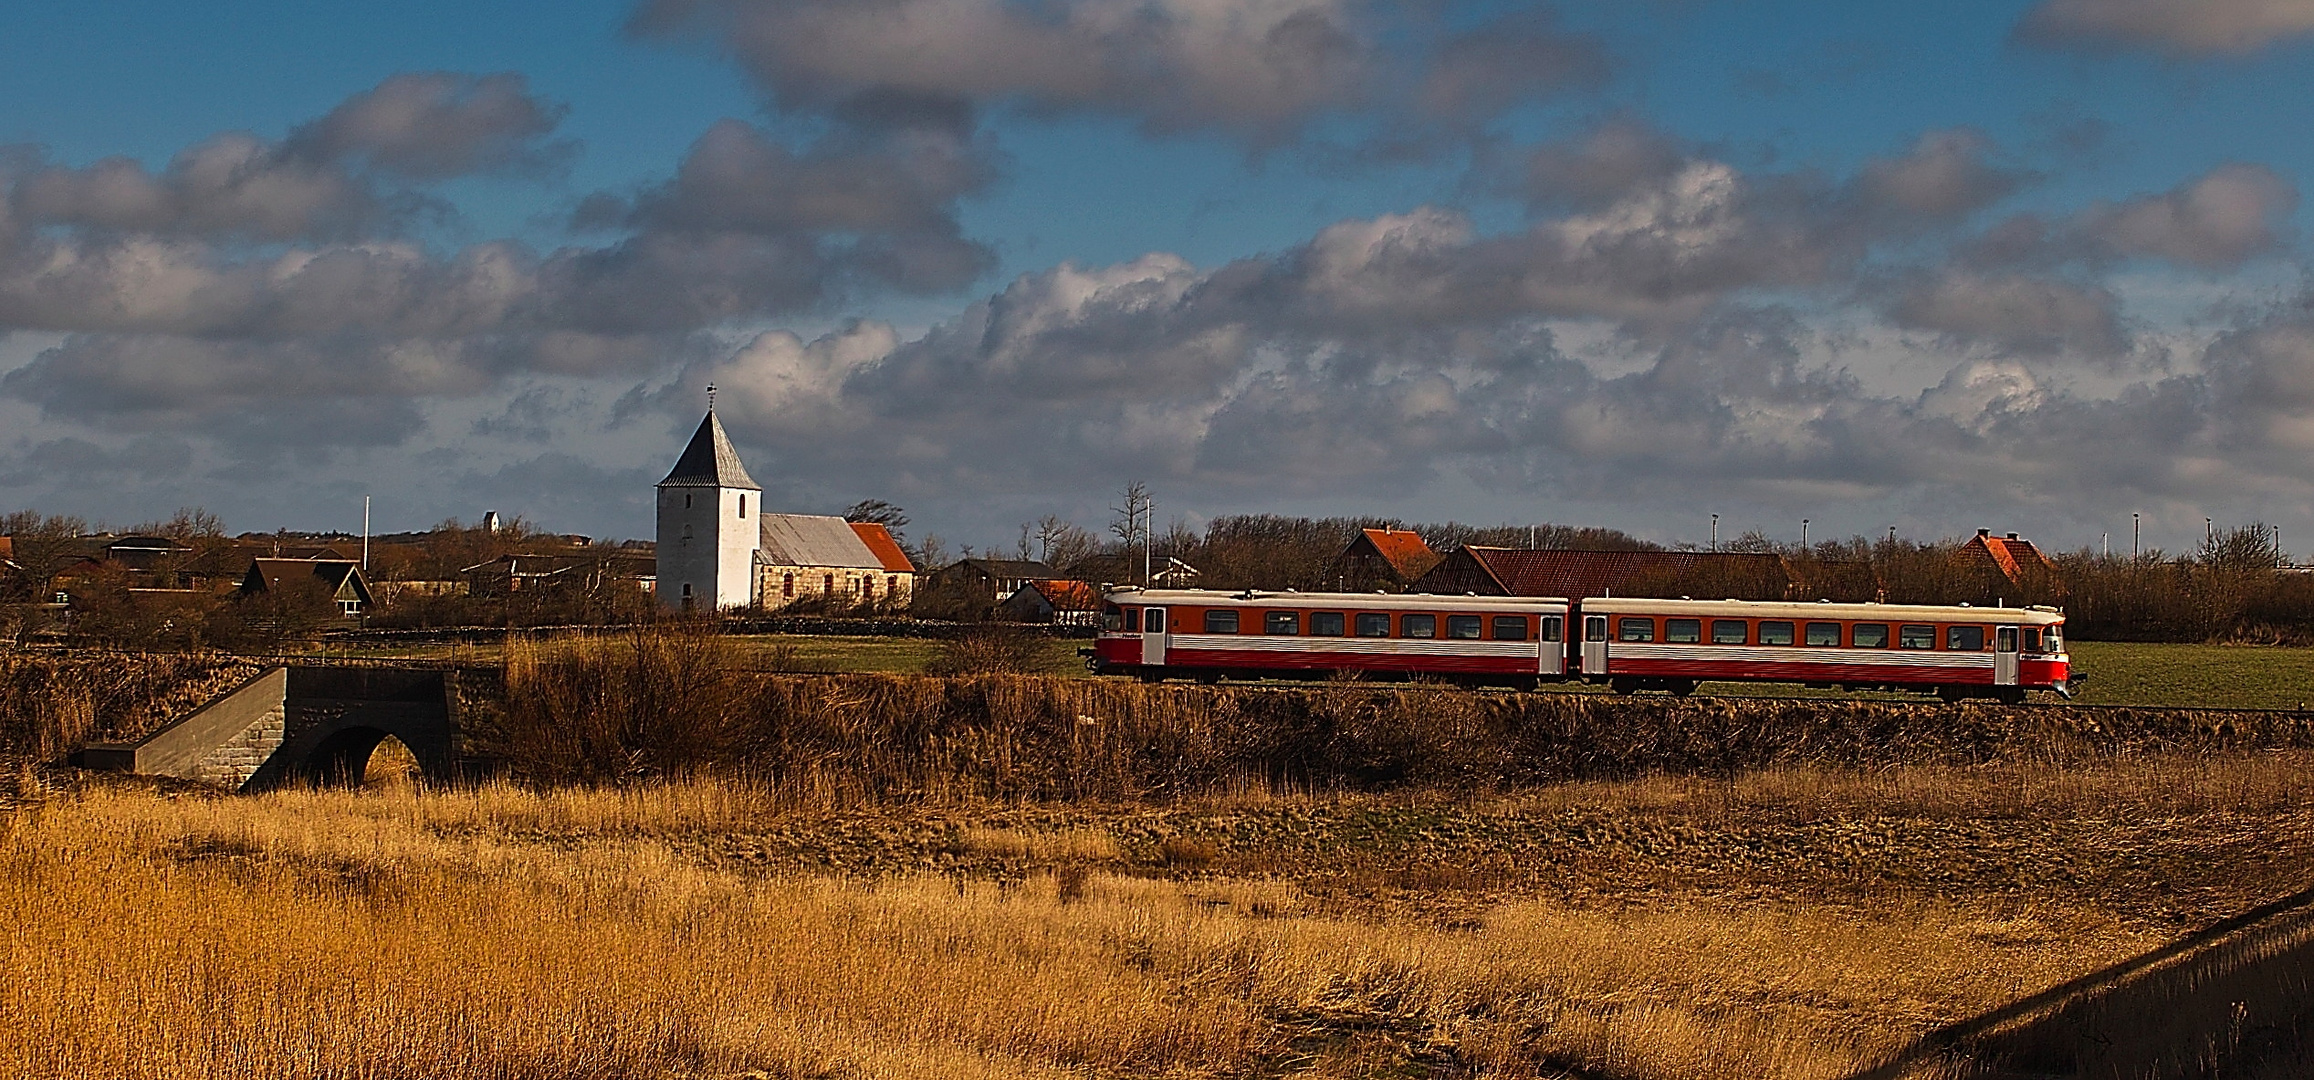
x=1627, y=644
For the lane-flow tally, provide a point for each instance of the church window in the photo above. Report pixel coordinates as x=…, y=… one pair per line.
x=828, y=584
x=743, y=506
x=686, y=590
x=787, y=588
x=686, y=536
x=686, y=500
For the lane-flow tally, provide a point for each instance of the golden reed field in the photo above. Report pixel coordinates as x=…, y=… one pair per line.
x=881, y=877
x=1790, y=924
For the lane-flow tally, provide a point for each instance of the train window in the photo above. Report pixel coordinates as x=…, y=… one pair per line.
x=1373, y=624
x=2053, y=640
x=1553, y=627
x=1912, y=636
x=1114, y=618
x=2032, y=638
x=1282, y=622
x=2005, y=639
x=1418, y=626
x=1871, y=635
x=1510, y=628
x=1153, y=620
x=1683, y=631
x=1635, y=630
x=1463, y=626
x=1221, y=622
x=1775, y=633
x=1824, y=634
x=1964, y=638
x=1326, y=624
x=1730, y=631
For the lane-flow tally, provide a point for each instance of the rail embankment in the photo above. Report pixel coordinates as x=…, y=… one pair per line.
x=645, y=708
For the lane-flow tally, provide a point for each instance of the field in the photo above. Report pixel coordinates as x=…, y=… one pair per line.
x=1795, y=923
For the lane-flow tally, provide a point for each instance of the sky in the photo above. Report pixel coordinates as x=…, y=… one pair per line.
x=2033, y=266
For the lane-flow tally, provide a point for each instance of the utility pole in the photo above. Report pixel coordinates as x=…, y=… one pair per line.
x=2133, y=536
x=1715, y=532
x=2209, y=534
x=365, y=534
x=1803, y=536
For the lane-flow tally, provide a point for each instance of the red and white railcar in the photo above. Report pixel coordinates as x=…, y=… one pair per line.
x=1628, y=644
x=1952, y=651
x=1197, y=633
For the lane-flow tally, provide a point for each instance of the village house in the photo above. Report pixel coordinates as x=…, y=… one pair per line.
x=1388, y=560
x=2011, y=568
x=340, y=580
x=827, y=559
x=1059, y=602
x=588, y=571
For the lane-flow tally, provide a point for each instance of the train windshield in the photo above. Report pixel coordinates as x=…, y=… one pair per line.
x=1113, y=617
x=2053, y=640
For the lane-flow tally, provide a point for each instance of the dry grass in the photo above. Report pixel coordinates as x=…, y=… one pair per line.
x=502, y=932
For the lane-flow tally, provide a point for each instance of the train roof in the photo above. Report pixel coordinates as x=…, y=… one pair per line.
x=1368, y=601
x=1771, y=609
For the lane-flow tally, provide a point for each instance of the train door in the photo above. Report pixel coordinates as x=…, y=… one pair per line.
x=1552, y=642
x=2005, y=656
x=1153, y=636
x=1594, y=644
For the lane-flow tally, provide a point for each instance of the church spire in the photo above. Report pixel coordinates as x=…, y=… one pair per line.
x=710, y=461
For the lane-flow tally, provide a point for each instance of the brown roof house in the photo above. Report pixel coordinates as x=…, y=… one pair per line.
x=588, y=571
x=1718, y=575
x=1388, y=560
x=339, y=580
x=1059, y=602
x=971, y=588
x=2010, y=569
x=803, y=557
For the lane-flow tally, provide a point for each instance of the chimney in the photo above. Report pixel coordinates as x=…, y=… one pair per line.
x=2012, y=536
x=1984, y=534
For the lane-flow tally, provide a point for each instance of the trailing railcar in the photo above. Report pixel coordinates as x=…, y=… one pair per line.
x=1954, y=652
x=1204, y=634
x=1627, y=644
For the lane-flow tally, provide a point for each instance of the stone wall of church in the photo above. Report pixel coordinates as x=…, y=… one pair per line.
x=781, y=586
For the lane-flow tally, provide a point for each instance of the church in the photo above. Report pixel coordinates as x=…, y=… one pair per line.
x=719, y=550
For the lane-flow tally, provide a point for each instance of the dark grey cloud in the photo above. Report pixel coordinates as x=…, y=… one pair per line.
x=1260, y=70
x=2182, y=28
x=2226, y=216
x=340, y=177
x=231, y=186
x=438, y=124
x=1946, y=174
x=2014, y=312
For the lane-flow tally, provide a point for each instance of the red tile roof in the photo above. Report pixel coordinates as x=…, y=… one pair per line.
x=2012, y=555
x=887, y=550
x=1404, y=549
x=1069, y=595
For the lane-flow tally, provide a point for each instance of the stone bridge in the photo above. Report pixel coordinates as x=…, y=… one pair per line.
x=302, y=725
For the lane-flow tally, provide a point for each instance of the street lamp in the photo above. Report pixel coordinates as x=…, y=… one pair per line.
x=1803, y=536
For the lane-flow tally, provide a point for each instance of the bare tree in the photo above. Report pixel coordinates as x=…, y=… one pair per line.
x=879, y=512
x=1063, y=544
x=41, y=547
x=1133, y=521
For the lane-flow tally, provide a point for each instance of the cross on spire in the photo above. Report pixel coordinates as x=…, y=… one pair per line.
x=710, y=397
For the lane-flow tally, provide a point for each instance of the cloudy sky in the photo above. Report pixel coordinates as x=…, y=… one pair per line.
x=2030, y=265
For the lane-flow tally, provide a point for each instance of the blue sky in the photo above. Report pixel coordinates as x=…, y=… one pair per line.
x=2030, y=265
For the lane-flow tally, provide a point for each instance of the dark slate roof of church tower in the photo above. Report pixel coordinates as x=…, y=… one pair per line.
x=709, y=461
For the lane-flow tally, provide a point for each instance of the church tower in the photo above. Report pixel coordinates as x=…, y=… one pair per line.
x=708, y=524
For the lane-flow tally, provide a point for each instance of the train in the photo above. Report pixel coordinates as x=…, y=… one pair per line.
x=1628, y=644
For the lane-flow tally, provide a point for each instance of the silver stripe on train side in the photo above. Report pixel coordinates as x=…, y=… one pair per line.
x=1525, y=650
x=1797, y=654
